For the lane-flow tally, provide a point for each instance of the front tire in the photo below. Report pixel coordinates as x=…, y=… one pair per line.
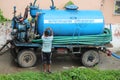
x=26, y=58
x=90, y=58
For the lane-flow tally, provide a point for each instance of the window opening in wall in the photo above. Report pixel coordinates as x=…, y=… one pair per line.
x=117, y=7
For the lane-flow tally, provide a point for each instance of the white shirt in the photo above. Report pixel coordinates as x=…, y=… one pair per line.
x=47, y=43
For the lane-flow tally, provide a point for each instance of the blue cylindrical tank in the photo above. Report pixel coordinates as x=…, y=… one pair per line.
x=70, y=22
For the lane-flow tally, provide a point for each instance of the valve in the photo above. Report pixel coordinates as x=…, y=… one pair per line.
x=108, y=52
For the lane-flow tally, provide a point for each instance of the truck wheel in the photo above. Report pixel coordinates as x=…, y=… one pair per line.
x=26, y=58
x=90, y=58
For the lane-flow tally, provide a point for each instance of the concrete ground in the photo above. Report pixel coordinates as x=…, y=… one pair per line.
x=59, y=63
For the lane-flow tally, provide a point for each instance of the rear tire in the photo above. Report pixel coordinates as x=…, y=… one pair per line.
x=26, y=58
x=90, y=58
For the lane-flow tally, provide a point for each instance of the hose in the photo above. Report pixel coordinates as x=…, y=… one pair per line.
x=52, y=3
x=52, y=6
x=99, y=39
x=115, y=55
x=34, y=2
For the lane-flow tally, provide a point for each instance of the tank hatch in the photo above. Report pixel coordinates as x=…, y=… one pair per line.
x=71, y=7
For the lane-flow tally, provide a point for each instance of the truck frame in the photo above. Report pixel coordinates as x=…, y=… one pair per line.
x=24, y=51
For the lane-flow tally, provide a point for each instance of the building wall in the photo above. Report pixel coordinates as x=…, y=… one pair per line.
x=107, y=8
x=108, y=11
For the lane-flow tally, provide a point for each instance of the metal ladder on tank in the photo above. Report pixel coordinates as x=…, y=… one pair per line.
x=76, y=49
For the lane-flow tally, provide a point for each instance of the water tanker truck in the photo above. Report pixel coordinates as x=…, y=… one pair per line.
x=77, y=32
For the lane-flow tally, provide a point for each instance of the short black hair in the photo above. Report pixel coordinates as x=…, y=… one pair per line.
x=47, y=33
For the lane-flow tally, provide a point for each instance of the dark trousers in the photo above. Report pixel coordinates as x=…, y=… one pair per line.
x=46, y=57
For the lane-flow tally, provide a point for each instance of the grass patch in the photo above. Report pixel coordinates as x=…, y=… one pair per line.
x=72, y=74
x=68, y=3
x=2, y=18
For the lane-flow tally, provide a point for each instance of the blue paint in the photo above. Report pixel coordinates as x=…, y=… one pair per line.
x=69, y=22
x=116, y=56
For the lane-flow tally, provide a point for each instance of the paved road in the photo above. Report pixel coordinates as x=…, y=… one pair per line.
x=61, y=62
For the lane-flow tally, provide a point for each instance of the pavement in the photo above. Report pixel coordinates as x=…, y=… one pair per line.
x=59, y=63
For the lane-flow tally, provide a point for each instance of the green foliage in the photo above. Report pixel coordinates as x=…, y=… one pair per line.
x=72, y=74
x=2, y=18
x=69, y=3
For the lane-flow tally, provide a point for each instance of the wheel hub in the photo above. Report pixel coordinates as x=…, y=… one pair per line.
x=91, y=58
x=27, y=58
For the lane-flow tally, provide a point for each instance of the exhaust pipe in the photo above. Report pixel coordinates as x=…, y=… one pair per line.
x=53, y=6
x=34, y=3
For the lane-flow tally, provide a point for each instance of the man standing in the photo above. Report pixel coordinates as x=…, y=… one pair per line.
x=47, y=38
